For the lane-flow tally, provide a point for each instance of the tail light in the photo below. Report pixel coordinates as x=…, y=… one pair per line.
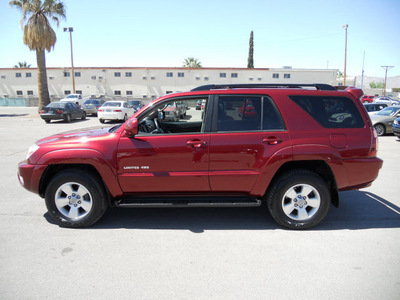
x=60, y=111
x=118, y=110
x=41, y=112
x=373, y=152
x=100, y=110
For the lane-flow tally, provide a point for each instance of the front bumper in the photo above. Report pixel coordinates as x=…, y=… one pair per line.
x=29, y=176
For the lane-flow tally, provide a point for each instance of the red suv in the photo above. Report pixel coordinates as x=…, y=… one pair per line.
x=295, y=149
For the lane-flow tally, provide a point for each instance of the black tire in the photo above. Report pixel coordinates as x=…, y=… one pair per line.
x=125, y=118
x=83, y=116
x=74, y=199
x=68, y=118
x=299, y=199
x=380, y=129
x=101, y=121
x=47, y=121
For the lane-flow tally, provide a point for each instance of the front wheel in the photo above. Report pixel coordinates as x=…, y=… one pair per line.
x=83, y=116
x=74, y=199
x=380, y=129
x=68, y=118
x=299, y=199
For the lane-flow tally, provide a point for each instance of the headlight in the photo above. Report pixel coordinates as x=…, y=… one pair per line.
x=396, y=122
x=32, y=149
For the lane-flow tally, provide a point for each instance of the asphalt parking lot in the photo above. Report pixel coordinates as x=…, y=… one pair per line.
x=213, y=253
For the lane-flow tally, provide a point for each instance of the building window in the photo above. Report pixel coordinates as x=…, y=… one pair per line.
x=117, y=74
x=170, y=74
x=222, y=75
x=144, y=96
x=93, y=77
x=275, y=75
x=30, y=93
x=259, y=78
x=128, y=74
x=129, y=93
x=251, y=78
x=77, y=74
x=144, y=78
x=152, y=78
x=197, y=78
x=18, y=75
x=67, y=92
x=28, y=74
x=117, y=93
x=206, y=78
x=67, y=74
x=168, y=92
x=19, y=93
x=78, y=92
x=287, y=76
x=234, y=75
x=181, y=74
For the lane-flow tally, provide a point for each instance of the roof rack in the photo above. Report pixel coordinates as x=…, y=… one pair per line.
x=318, y=86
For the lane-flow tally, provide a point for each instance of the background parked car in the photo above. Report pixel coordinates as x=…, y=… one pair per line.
x=136, y=104
x=383, y=119
x=115, y=110
x=74, y=98
x=62, y=111
x=387, y=100
x=373, y=108
x=92, y=105
x=396, y=127
x=367, y=99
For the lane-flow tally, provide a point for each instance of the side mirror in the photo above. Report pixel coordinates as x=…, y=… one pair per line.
x=131, y=128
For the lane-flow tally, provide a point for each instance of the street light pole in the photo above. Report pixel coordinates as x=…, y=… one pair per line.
x=70, y=30
x=345, y=26
x=384, y=85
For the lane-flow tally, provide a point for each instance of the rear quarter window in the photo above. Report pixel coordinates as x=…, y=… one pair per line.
x=331, y=112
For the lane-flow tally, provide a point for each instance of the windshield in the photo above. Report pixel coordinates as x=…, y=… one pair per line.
x=389, y=111
x=71, y=96
x=112, y=104
x=134, y=102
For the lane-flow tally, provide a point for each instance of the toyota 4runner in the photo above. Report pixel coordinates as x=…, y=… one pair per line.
x=292, y=147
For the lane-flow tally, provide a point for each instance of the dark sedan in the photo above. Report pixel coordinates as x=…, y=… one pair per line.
x=396, y=127
x=62, y=111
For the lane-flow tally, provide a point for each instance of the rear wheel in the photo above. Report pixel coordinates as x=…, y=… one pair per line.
x=101, y=121
x=68, y=118
x=299, y=199
x=83, y=115
x=75, y=199
x=125, y=117
x=380, y=129
x=47, y=120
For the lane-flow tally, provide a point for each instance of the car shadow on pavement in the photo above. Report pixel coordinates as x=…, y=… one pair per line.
x=359, y=210
x=12, y=115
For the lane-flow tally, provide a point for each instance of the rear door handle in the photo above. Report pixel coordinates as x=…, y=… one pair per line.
x=271, y=140
x=195, y=143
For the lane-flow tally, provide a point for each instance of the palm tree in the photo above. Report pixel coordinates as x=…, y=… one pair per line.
x=22, y=64
x=39, y=36
x=192, y=63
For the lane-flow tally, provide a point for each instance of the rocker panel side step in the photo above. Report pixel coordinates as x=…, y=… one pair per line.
x=188, y=202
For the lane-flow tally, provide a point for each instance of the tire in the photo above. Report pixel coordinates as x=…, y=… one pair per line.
x=101, y=121
x=125, y=118
x=83, y=116
x=74, y=199
x=299, y=199
x=47, y=121
x=380, y=129
x=68, y=118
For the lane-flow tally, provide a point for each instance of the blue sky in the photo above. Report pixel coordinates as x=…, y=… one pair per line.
x=153, y=33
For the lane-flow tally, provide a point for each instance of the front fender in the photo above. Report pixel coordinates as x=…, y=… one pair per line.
x=85, y=157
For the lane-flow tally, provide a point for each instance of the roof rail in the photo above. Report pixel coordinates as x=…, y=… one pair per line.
x=318, y=86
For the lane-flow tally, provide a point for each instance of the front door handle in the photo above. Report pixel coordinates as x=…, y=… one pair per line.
x=271, y=140
x=195, y=143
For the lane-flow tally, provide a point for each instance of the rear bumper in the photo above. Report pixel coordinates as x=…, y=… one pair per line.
x=52, y=116
x=361, y=172
x=29, y=176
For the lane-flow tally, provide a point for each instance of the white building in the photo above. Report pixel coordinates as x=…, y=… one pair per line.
x=146, y=83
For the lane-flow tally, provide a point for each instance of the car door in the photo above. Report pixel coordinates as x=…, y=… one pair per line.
x=173, y=160
x=247, y=131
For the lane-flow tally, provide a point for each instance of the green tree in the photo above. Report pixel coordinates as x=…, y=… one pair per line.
x=22, y=64
x=250, y=60
x=192, y=63
x=38, y=34
x=376, y=85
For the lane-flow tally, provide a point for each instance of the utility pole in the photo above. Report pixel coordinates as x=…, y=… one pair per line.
x=70, y=30
x=345, y=26
x=386, y=70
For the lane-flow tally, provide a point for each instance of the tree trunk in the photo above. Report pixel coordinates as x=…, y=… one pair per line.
x=44, y=97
